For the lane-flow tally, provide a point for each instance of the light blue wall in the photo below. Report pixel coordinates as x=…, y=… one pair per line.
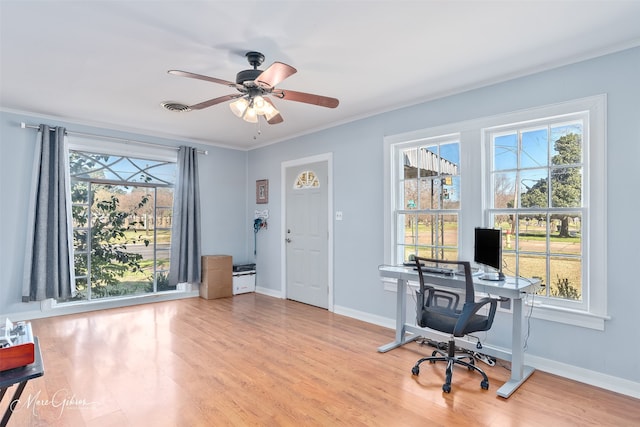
x=223, y=184
x=358, y=192
x=228, y=201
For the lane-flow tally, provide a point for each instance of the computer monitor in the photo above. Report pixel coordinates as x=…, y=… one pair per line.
x=488, y=251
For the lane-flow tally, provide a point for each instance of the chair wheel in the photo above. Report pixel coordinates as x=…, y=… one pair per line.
x=415, y=370
x=485, y=385
x=446, y=388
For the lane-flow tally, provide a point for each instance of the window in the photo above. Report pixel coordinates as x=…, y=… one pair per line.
x=121, y=211
x=306, y=179
x=538, y=174
x=428, y=198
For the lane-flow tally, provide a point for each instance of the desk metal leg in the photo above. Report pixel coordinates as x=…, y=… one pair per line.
x=401, y=319
x=519, y=372
x=12, y=403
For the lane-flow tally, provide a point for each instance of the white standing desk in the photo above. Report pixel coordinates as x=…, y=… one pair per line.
x=513, y=288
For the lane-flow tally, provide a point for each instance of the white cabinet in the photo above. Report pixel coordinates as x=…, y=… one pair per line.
x=244, y=281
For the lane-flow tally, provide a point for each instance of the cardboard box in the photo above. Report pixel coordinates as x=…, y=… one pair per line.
x=217, y=277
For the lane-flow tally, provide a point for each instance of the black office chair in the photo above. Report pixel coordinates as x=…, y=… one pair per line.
x=441, y=310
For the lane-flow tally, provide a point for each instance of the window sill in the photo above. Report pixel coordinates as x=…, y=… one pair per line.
x=538, y=310
x=567, y=316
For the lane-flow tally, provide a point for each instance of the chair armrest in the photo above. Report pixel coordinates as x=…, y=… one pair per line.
x=470, y=309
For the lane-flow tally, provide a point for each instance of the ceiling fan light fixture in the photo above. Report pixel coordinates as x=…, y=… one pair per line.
x=249, y=109
x=264, y=108
x=239, y=107
x=270, y=111
x=250, y=115
x=259, y=105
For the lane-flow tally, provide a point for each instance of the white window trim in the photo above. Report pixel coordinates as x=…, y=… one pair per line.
x=472, y=132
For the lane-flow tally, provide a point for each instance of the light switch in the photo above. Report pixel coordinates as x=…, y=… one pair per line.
x=338, y=215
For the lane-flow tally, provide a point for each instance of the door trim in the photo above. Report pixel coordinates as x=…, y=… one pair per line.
x=326, y=157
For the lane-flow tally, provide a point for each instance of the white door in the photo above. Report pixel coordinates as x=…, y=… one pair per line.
x=307, y=233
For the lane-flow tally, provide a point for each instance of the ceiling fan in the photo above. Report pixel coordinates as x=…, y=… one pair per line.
x=253, y=86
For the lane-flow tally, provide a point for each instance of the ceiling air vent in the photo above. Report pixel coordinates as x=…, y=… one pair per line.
x=175, y=106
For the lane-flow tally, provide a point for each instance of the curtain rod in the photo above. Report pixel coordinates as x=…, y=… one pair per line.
x=23, y=125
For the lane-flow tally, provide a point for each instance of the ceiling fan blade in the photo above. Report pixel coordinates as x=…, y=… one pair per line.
x=201, y=77
x=275, y=119
x=308, y=98
x=215, y=101
x=273, y=75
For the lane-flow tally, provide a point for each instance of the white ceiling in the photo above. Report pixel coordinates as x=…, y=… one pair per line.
x=104, y=63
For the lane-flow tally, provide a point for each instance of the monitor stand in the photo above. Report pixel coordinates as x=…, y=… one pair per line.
x=494, y=276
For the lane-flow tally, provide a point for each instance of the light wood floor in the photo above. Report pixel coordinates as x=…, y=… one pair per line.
x=261, y=361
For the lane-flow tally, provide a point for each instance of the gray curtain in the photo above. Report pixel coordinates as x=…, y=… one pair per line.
x=185, y=230
x=48, y=265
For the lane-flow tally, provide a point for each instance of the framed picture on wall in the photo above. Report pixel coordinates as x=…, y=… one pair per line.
x=262, y=191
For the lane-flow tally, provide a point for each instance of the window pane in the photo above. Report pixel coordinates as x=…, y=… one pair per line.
x=80, y=193
x=504, y=186
x=79, y=216
x=534, y=188
x=505, y=152
x=566, y=237
x=450, y=162
x=162, y=282
x=81, y=288
x=410, y=195
x=430, y=190
x=449, y=226
x=429, y=161
x=535, y=148
x=567, y=144
x=409, y=163
x=163, y=257
x=410, y=229
x=532, y=233
x=427, y=230
x=534, y=266
x=509, y=263
x=451, y=192
x=566, y=187
x=565, y=276
x=80, y=264
x=119, y=168
x=80, y=240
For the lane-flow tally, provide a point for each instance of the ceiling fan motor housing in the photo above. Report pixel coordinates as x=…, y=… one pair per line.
x=247, y=76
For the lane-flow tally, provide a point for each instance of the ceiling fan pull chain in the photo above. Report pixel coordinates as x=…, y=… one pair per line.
x=259, y=131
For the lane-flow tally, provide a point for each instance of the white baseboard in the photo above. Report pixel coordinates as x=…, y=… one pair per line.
x=366, y=317
x=596, y=379
x=586, y=376
x=270, y=292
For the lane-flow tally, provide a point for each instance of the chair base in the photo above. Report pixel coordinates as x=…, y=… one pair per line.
x=452, y=359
